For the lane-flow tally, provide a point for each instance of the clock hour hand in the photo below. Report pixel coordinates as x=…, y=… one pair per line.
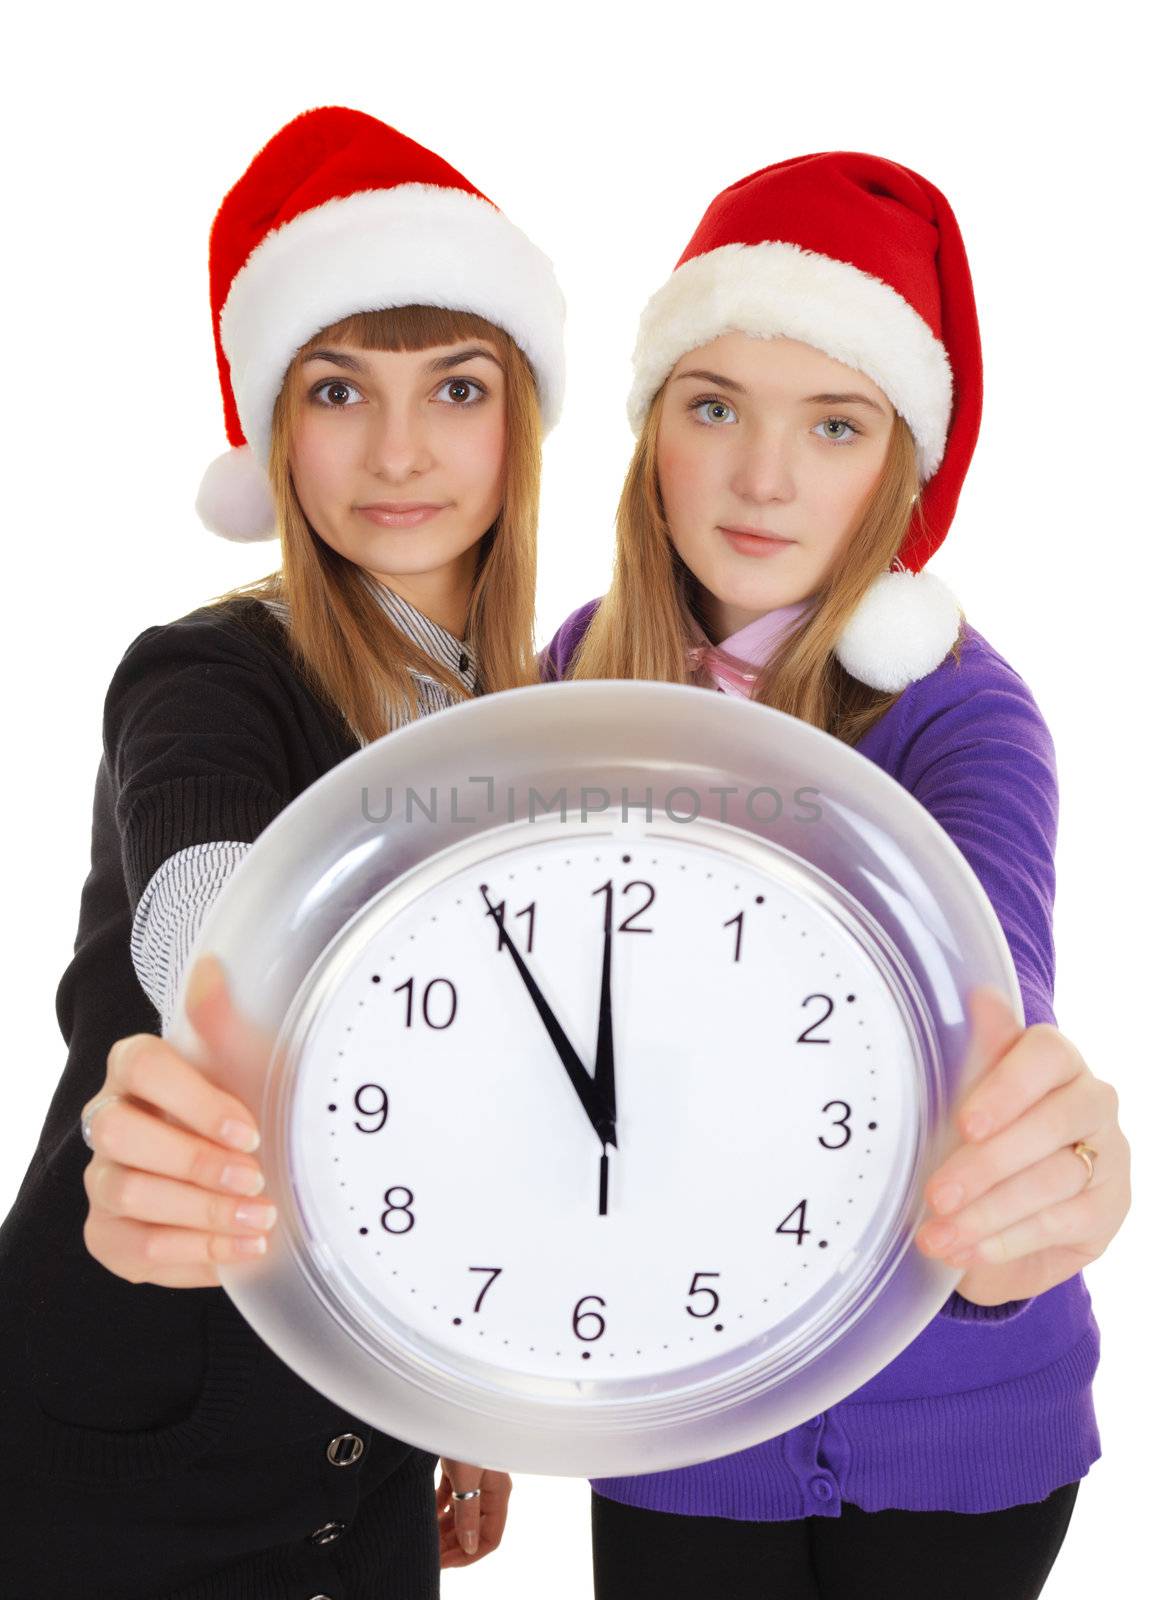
x=585, y=1089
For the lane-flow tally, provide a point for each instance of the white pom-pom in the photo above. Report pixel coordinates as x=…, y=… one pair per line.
x=234, y=498
x=905, y=625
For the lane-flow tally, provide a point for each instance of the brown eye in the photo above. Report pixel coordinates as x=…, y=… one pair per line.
x=333, y=393
x=461, y=392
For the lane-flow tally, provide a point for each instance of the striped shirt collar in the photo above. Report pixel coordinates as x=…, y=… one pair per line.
x=443, y=646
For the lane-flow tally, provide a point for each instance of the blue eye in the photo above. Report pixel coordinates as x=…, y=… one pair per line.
x=468, y=398
x=840, y=422
x=329, y=387
x=712, y=412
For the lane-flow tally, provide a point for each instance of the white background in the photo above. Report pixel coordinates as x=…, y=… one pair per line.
x=604, y=131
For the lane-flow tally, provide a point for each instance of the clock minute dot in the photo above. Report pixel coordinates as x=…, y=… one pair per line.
x=363, y=1230
x=871, y=1126
x=457, y=1322
x=718, y=1327
x=824, y=1243
x=332, y=1107
x=375, y=977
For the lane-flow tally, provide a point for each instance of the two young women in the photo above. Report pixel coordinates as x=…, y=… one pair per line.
x=807, y=397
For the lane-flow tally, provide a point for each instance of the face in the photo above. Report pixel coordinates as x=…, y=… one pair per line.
x=398, y=461
x=769, y=437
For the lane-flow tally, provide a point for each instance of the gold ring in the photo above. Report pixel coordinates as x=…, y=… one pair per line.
x=1088, y=1153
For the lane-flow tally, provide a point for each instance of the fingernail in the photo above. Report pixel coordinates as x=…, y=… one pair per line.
x=469, y=1543
x=947, y=1197
x=961, y=1258
x=250, y=1247
x=242, y=1180
x=978, y=1125
x=939, y=1235
x=239, y=1135
x=260, y=1217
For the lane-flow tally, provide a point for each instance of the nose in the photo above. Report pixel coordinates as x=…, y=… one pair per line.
x=764, y=470
x=397, y=442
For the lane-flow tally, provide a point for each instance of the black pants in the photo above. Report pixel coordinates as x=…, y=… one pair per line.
x=887, y=1555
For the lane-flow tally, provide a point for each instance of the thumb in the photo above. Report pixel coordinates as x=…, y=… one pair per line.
x=993, y=1031
x=239, y=1051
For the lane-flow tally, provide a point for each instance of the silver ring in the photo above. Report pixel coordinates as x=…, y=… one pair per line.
x=88, y=1117
x=466, y=1494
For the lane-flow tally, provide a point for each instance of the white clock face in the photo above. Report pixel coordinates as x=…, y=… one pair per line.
x=462, y=1179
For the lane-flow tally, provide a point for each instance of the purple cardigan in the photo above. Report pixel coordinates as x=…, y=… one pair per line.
x=990, y=1406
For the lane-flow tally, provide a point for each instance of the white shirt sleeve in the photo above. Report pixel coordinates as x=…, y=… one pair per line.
x=170, y=912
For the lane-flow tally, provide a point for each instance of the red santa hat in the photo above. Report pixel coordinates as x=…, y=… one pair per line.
x=863, y=259
x=340, y=213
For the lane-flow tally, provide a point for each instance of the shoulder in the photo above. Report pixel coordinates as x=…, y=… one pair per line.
x=980, y=686
x=241, y=631
x=975, y=718
x=557, y=655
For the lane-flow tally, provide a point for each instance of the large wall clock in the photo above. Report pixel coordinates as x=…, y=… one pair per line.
x=617, y=1027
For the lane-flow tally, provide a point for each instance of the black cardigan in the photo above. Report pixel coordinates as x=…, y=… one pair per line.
x=154, y=1445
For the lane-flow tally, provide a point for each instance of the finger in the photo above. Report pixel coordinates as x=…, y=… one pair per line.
x=493, y=1519
x=146, y=1197
x=1019, y=1280
x=1018, y=1066
x=131, y=1137
x=1081, y=1109
x=140, y=1252
x=155, y=1072
x=467, y=1518
x=1058, y=1178
x=1070, y=1224
x=467, y=1514
x=239, y=1050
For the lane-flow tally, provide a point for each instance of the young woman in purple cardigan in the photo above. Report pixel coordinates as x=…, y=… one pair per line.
x=807, y=397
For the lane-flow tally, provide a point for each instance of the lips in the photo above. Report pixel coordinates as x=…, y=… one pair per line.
x=400, y=507
x=755, y=542
x=757, y=533
x=399, y=514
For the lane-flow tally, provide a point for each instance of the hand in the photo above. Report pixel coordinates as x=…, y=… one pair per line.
x=470, y=1529
x=162, y=1207
x=578, y=1074
x=1026, y=1217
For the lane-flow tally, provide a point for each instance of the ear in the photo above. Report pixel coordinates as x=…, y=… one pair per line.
x=903, y=627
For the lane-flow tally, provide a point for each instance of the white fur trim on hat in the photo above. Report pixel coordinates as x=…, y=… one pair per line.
x=417, y=243
x=234, y=498
x=776, y=289
x=902, y=629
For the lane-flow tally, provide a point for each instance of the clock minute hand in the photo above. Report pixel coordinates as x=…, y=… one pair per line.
x=573, y=1066
x=604, y=1068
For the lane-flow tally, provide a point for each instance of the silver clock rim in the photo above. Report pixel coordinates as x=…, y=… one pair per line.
x=457, y=1411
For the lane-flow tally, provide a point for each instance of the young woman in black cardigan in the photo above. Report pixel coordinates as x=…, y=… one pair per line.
x=390, y=355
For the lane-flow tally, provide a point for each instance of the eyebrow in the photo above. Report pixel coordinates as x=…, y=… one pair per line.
x=441, y=364
x=813, y=399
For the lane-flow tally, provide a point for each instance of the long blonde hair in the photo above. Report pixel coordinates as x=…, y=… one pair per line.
x=340, y=639
x=642, y=627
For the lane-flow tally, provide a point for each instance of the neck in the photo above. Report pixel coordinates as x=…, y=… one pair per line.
x=442, y=595
x=721, y=620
